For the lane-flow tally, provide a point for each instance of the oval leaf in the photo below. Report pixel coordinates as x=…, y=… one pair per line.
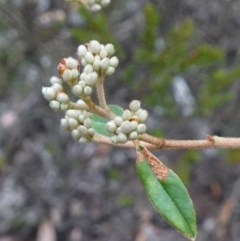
x=170, y=198
x=98, y=122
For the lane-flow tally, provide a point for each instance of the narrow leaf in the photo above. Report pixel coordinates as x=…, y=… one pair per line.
x=170, y=197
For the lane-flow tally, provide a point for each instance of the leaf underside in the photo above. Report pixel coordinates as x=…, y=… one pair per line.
x=170, y=198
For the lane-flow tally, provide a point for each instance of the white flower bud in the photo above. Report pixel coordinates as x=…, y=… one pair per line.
x=118, y=130
x=96, y=64
x=91, y=131
x=126, y=127
x=64, y=107
x=135, y=105
x=83, y=76
x=95, y=47
x=77, y=90
x=134, y=125
x=118, y=120
x=73, y=123
x=90, y=80
x=83, y=140
x=114, y=62
x=89, y=57
x=104, y=63
x=49, y=93
x=141, y=128
x=63, y=98
x=81, y=118
x=122, y=138
x=88, y=69
x=133, y=135
x=64, y=123
x=83, y=62
x=96, y=7
x=82, y=105
x=75, y=134
x=103, y=54
x=72, y=114
x=71, y=63
x=110, y=70
x=87, y=123
x=111, y=127
x=143, y=115
x=67, y=75
x=55, y=80
x=110, y=49
x=75, y=73
x=126, y=114
x=114, y=139
x=81, y=51
x=54, y=104
x=83, y=130
x=57, y=87
x=87, y=90
x=82, y=83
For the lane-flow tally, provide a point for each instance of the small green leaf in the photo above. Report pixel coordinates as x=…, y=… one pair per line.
x=98, y=122
x=170, y=198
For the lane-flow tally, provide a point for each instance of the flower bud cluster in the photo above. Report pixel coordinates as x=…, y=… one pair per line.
x=68, y=68
x=79, y=123
x=130, y=125
x=58, y=99
x=98, y=58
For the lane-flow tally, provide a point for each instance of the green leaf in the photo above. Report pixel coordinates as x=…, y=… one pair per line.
x=170, y=198
x=99, y=123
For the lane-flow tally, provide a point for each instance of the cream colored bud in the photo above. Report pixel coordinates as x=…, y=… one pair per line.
x=114, y=62
x=104, y=3
x=110, y=70
x=111, y=127
x=103, y=54
x=72, y=114
x=73, y=123
x=77, y=90
x=54, y=104
x=95, y=47
x=141, y=128
x=135, y=105
x=67, y=75
x=96, y=7
x=118, y=120
x=89, y=57
x=83, y=130
x=133, y=135
x=71, y=63
x=127, y=115
x=143, y=115
x=104, y=63
x=87, y=123
x=55, y=80
x=64, y=107
x=126, y=127
x=87, y=90
x=96, y=64
x=110, y=49
x=75, y=134
x=83, y=140
x=81, y=51
x=122, y=138
x=49, y=93
x=91, y=131
x=114, y=139
x=82, y=83
x=75, y=73
x=88, y=69
x=57, y=87
x=82, y=105
x=63, y=98
x=64, y=123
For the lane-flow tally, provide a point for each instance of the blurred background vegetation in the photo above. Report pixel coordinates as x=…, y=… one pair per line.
x=180, y=58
